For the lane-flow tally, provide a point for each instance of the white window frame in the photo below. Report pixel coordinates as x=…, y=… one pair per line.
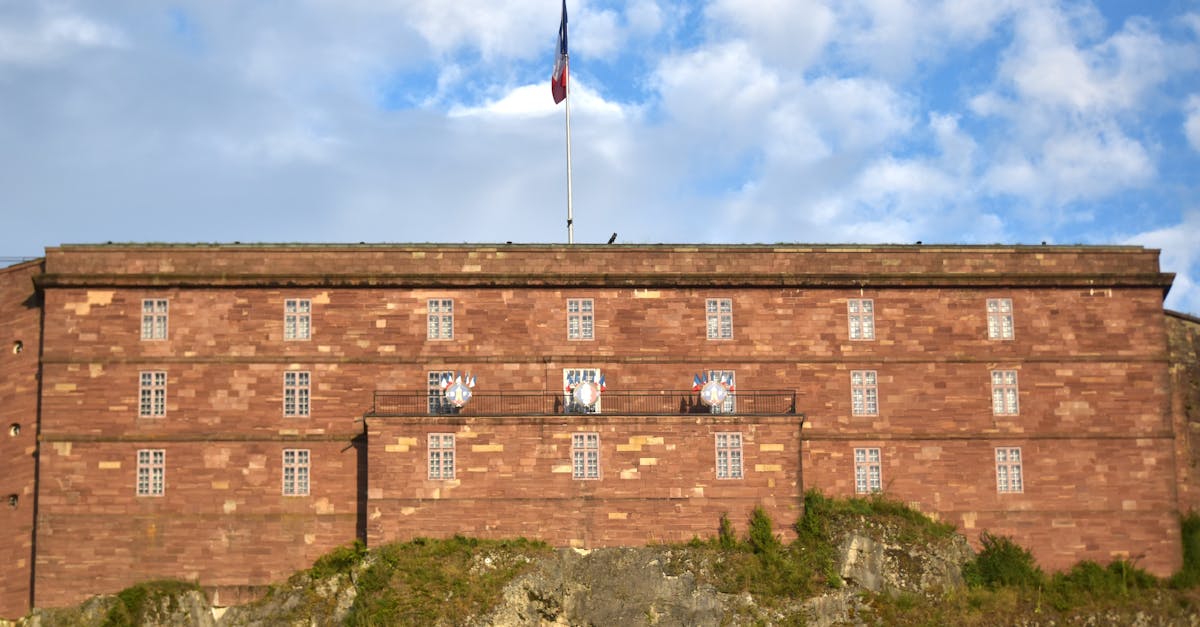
x=585, y=455
x=440, y=319
x=1006, y=398
x=297, y=471
x=718, y=315
x=864, y=392
x=297, y=319
x=868, y=471
x=581, y=319
x=442, y=454
x=297, y=394
x=729, y=454
x=151, y=472
x=154, y=318
x=1010, y=477
x=1000, y=319
x=587, y=374
x=436, y=402
x=152, y=394
x=860, y=313
x=730, y=404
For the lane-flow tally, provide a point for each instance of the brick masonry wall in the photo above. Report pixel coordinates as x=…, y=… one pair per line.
x=222, y=519
x=687, y=262
x=658, y=479
x=1097, y=499
x=1183, y=334
x=1092, y=369
x=20, y=321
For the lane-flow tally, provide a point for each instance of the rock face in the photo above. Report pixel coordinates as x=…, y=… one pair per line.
x=609, y=587
x=882, y=564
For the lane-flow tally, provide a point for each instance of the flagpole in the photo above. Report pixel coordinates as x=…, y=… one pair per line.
x=570, y=213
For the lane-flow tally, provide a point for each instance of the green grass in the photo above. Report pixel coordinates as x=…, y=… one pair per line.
x=135, y=602
x=437, y=581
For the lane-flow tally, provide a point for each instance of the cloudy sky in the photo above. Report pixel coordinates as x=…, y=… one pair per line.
x=961, y=121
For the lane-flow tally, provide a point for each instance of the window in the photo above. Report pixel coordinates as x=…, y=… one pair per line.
x=861, y=312
x=1004, y=393
x=580, y=374
x=437, y=402
x=1008, y=470
x=867, y=474
x=719, y=318
x=295, y=471
x=153, y=393
x=585, y=455
x=297, y=319
x=864, y=393
x=441, y=319
x=1000, y=318
x=154, y=319
x=580, y=323
x=730, y=404
x=441, y=455
x=295, y=393
x=151, y=471
x=729, y=455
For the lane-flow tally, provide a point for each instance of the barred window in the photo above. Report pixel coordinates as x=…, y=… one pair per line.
x=297, y=319
x=729, y=455
x=861, y=312
x=151, y=472
x=1004, y=393
x=154, y=319
x=441, y=319
x=1000, y=318
x=152, y=393
x=295, y=471
x=580, y=321
x=1008, y=471
x=867, y=471
x=433, y=387
x=441, y=455
x=719, y=317
x=864, y=393
x=296, y=393
x=585, y=455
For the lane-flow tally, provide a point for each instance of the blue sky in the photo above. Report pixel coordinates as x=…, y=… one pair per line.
x=865, y=121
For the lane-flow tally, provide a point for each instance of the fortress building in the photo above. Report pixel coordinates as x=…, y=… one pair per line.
x=228, y=413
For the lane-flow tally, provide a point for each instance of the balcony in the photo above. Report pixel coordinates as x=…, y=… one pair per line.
x=612, y=403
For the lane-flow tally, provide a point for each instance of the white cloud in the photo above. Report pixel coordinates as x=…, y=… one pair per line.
x=535, y=101
x=787, y=33
x=1179, y=255
x=1072, y=166
x=1191, y=125
x=53, y=34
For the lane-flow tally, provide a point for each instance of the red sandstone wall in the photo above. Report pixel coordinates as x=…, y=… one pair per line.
x=1092, y=370
x=1097, y=499
x=20, y=321
x=1183, y=333
x=222, y=520
x=658, y=479
x=725, y=263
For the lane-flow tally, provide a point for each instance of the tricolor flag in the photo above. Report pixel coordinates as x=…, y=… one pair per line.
x=558, y=82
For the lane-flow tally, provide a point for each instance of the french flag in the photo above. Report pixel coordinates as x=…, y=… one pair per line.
x=558, y=82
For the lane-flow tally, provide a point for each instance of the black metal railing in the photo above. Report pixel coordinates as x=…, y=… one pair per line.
x=615, y=403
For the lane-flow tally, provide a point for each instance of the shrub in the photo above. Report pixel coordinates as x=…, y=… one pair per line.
x=725, y=534
x=1189, y=575
x=761, y=537
x=1003, y=562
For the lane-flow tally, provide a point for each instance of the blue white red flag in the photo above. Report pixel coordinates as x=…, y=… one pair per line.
x=558, y=81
